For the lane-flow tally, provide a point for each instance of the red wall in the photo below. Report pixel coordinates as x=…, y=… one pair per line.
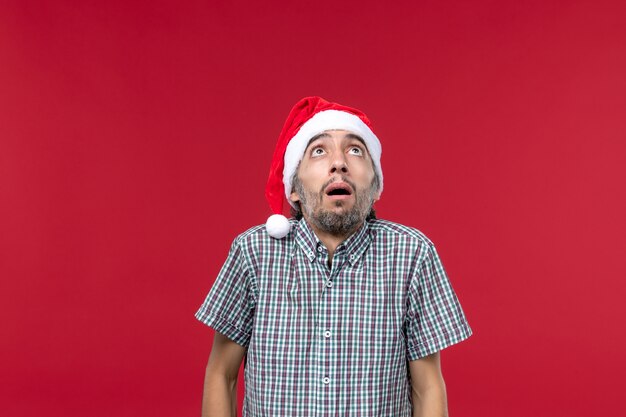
x=135, y=138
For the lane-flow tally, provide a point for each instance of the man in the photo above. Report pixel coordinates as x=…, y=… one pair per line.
x=336, y=313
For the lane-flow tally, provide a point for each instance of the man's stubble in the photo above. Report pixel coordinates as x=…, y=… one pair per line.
x=338, y=224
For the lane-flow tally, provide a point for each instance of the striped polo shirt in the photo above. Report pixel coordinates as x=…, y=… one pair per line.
x=333, y=340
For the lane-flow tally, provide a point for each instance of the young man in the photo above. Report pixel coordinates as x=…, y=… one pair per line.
x=337, y=313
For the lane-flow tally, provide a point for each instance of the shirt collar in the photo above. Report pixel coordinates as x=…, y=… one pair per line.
x=353, y=247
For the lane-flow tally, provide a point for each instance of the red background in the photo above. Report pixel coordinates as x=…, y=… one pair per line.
x=135, y=138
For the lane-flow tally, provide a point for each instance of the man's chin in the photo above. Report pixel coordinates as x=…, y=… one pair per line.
x=339, y=206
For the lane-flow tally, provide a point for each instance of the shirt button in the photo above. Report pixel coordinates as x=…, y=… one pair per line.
x=352, y=257
x=327, y=334
x=319, y=249
x=326, y=380
x=329, y=284
x=310, y=253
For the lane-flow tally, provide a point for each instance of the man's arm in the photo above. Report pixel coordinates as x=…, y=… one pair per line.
x=428, y=387
x=219, y=398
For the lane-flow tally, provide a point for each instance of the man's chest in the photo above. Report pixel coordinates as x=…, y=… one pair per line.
x=300, y=301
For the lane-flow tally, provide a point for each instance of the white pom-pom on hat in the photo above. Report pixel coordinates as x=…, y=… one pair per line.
x=308, y=118
x=277, y=226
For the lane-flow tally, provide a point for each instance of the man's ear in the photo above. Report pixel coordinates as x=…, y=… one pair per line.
x=377, y=195
x=294, y=197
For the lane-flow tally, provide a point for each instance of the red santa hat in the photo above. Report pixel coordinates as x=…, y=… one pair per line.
x=308, y=118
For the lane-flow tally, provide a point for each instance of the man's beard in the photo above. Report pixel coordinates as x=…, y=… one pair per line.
x=338, y=224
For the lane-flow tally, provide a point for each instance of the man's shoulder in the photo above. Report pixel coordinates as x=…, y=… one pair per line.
x=257, y=231
x=392, y=229
x=258, y=235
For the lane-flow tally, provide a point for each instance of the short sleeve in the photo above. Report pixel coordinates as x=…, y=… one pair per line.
x=434, y=317
x=229, y=306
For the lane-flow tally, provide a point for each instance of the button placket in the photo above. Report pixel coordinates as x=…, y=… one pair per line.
x=324, y=362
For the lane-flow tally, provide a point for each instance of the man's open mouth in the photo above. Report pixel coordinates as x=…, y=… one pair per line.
x=338, y=189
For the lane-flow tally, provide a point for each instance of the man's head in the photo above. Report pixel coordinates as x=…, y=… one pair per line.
x=335, y=184
x=327, y=164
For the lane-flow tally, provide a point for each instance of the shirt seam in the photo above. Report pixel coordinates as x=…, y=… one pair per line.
x=446, y=331
x=251, y=276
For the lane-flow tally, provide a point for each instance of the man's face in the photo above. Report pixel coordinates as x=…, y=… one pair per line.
x=335, y=185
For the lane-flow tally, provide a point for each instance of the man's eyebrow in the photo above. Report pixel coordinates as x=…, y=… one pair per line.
x=357, y=137
x=325, y=135
x=316, y=137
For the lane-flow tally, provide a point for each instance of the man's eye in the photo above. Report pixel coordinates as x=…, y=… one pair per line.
x=317, y=151
x=356, y=151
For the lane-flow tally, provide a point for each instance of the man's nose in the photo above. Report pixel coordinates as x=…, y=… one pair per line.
x=339, y=164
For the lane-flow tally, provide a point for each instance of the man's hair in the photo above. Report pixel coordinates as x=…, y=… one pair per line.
x=296, y=211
